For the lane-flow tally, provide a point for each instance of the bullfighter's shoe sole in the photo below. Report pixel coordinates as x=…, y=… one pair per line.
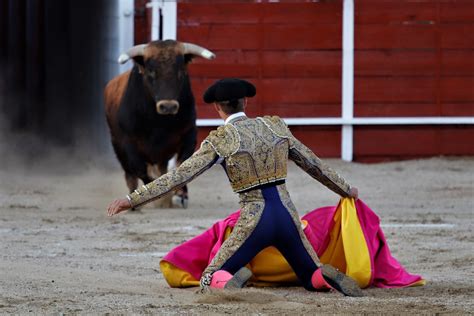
x=341, y=282
x=239, y=279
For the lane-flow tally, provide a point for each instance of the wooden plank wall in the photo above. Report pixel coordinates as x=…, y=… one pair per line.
x=290, y=51
x=142, y=22
x=412, y=58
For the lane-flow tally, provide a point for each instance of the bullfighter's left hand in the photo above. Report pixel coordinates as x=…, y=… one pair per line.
x=118, y=206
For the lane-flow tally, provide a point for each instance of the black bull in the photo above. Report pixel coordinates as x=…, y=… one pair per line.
x=151, y=112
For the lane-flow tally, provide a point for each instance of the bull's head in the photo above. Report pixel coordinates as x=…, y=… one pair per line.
x=163, y=65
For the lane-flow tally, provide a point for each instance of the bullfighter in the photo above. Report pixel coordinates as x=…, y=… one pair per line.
x=254, y=153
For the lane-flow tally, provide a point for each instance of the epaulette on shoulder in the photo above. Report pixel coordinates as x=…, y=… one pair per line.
x=276, y=125
x=225, y=140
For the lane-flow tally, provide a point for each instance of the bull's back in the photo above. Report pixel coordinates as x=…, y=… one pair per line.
x=113, y=94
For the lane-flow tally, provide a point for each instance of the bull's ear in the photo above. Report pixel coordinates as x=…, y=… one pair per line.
x=188, y=58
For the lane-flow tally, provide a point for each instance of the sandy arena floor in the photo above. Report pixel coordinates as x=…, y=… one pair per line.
x=60, y=253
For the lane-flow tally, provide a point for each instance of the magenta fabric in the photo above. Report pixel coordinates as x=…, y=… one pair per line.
x=194, y=255
x=388, y=272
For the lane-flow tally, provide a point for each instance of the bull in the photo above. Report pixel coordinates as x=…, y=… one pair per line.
x=151, y=112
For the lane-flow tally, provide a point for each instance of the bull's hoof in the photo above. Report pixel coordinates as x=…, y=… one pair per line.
x=180, y=201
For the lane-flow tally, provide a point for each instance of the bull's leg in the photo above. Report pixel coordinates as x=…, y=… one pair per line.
x=165, y=201
x=134, y=165
x=130, y=178
x=153, y=171
x=143, y=175
x=186, y=150
x=140, y=170
x=132, y=182
x=180, y=196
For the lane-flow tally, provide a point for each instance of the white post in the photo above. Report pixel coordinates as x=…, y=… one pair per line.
x=347, y=78
x=125, y=31
x=169, y=13
x=155, y=19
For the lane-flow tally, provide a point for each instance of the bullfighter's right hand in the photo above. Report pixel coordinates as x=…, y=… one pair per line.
x=118, y=206
x=354, y=193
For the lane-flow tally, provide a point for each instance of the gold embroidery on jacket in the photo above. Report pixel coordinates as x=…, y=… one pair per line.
x=306, y=159
x=199, y=162
x=259, y=157
x=225, y=140
x=310, y=163
x=252, y=205
x=276, y=125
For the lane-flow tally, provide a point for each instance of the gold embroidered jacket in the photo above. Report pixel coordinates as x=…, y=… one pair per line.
x=253, y=152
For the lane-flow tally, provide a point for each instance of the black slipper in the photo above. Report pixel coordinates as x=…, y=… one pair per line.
x=239, y=279
x=341, y=282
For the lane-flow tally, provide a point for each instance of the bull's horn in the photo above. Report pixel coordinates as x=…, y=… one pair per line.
x=137, y=50
x=194, y=49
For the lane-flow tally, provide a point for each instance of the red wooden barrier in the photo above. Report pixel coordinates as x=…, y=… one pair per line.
x=411, y=59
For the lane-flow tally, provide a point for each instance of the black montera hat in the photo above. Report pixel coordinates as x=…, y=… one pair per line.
x=229, y=89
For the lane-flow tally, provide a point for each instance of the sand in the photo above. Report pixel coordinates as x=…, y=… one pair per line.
x=60, y=253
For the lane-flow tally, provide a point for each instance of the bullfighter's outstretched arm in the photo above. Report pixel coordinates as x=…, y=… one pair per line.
x=307, y=160
x=195, y=165
x=315, y=167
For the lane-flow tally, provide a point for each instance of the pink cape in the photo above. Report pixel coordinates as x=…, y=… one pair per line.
x=194, y=255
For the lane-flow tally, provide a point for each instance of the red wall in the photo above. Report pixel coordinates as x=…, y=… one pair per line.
x=414, y=59
x=142, y=22
x=411, y=59
x=290, y=51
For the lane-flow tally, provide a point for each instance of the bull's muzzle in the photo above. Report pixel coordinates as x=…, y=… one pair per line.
x=167, y=107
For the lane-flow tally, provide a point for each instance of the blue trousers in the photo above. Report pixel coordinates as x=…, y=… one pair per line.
x=275, y=228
